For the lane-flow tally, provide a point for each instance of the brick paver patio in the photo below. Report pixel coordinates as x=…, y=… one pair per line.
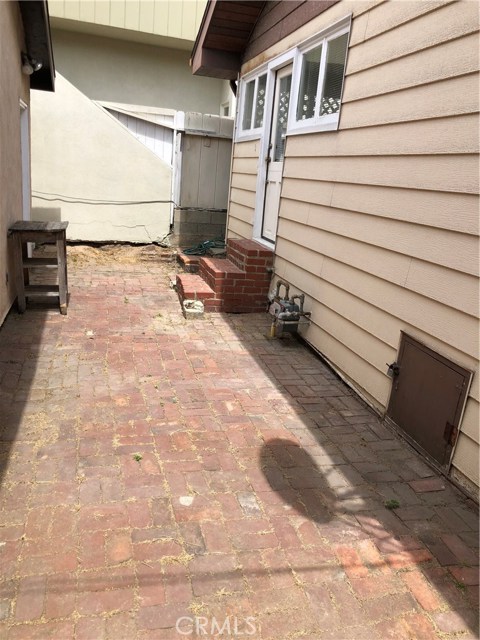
x=164, y=478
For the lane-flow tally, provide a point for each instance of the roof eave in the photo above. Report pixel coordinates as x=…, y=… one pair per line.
x=38, y=42
x=216, y=64
x=217, y=61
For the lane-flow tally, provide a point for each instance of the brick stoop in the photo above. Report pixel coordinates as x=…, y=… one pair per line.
x=189, y=263
x=191, y=286
x=238, y=283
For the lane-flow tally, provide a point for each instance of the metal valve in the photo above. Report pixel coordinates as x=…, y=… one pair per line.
x=393, y=370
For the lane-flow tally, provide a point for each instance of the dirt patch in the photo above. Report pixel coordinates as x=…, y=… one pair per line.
x=84, y=255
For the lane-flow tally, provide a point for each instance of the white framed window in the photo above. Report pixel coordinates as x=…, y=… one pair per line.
x=317, y=86
x=318, y=77
x=225, y=109
x=252, y=105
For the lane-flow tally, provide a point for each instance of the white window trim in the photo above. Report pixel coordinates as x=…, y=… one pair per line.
x=327, y=122
x=252, y=133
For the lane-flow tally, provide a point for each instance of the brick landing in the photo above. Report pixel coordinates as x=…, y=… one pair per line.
x=155, y=469
x=238, y=283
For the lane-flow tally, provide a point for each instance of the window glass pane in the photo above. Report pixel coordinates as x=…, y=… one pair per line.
x=307, y=94
x=260, y=101
x=282, y=118
x=248, y=105
x=333, y=82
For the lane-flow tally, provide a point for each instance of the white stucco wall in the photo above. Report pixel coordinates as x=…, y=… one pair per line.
x=133, y=73
x=80, y=152
x=228, y=97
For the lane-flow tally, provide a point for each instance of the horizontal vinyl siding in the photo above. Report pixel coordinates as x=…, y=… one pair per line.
x=379, y=220
x=453, y=211
x=279, y=19
x=453, y=289
x=424, y=100
x=450, y=249
x=243, y=188
x=433, y=173
x=374, y=23
x=449, y=23
x=445, y=136
x=467, y=458
x=460, y=57
x=368, y=303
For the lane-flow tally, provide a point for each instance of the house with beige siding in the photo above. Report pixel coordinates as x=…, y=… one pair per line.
x=24, y=45
x=356, y=162
x=111, y=163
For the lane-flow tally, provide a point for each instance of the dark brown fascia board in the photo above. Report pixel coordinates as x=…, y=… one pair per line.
x=202, y=32
x=38, y=42
x=216, y=64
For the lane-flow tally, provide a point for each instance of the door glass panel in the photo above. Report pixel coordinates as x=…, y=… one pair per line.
x=260, y=101
x=282, y=118
x=248, y=105
x=307, y=94
x=332, y=86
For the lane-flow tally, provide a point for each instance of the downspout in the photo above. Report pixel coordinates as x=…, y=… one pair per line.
x=172, y=184
x=179, y=126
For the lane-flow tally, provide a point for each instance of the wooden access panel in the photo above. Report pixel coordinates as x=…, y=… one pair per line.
x=427, y=399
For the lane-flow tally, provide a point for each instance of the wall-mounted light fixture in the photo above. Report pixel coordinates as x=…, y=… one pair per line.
x=29, y=64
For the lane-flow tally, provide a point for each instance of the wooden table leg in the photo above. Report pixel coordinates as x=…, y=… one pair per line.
x=62, y=273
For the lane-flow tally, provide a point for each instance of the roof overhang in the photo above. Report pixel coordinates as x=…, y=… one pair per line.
x=38, y=42
x=223, y=36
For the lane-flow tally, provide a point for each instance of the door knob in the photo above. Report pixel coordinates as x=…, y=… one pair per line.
x=393, y=370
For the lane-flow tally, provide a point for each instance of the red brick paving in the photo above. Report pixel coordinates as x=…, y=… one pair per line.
x=157, y=469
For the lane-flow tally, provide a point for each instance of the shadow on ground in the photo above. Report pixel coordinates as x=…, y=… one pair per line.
x=330, y=458
x=20, y=365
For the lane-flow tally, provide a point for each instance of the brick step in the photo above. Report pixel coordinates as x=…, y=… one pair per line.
x=191, y=286
x=238, y=283
x=220, y=272
x=249, y=255
x=189, y=263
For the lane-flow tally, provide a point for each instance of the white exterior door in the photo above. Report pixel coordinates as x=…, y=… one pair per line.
x=276, y=153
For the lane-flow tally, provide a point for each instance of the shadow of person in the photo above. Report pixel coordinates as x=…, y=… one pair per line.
x=294, y=475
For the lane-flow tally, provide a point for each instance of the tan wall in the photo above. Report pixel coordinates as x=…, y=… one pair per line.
x=80, y=152
x=379, y=221
x=13, y=87
x=174, y=19
x=134, y=73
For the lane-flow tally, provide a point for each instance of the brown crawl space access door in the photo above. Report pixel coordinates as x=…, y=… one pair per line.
x=427, y=398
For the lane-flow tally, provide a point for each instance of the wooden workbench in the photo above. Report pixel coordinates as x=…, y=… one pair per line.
x=44, y=233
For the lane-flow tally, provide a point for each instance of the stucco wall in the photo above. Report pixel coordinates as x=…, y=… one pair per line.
x=132, y=73
x=84, y=163
x=378, y=221
x=13, y=87
x=228, y=97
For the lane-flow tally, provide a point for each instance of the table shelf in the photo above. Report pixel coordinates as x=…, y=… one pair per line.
x=40, y=262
